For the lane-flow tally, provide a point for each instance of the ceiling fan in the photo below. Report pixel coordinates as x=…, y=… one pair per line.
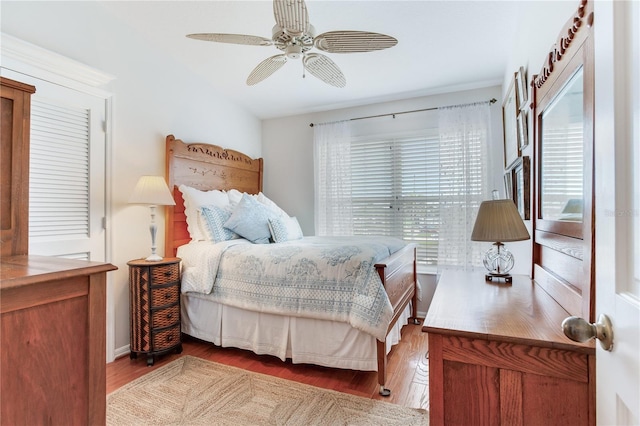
x=293, y=35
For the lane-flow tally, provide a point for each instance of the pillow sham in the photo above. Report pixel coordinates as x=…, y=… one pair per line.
x=250, y=220
x=285, y=229
x=215, y=217
x=194, y=199
x=262, y=199
x=234, y=196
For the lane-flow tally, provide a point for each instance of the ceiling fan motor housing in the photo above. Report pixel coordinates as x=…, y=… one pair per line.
x=293, y=45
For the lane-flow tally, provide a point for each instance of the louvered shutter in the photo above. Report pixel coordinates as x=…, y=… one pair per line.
x=59, y=173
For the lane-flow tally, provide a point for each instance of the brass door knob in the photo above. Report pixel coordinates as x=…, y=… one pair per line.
x=580, y=330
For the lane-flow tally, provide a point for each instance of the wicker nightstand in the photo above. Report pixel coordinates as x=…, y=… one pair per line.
x=154, y=292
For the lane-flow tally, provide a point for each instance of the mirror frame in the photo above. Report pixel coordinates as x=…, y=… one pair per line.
x=570, y=229
x=563, y=251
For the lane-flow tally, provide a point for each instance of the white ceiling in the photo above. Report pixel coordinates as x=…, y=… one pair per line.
x=442, y=46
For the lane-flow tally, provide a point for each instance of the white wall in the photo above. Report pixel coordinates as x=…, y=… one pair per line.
x=153, y=97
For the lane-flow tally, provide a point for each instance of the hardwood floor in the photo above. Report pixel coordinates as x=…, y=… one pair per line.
x=407, y=376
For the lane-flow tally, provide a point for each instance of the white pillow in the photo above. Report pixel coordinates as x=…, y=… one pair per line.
x=234, y=197
x=262, y=199
x=194, y=200
x=285, y=229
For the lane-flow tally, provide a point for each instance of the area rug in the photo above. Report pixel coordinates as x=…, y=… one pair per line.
x=193, y=391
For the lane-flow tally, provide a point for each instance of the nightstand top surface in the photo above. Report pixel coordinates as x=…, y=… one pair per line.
x=144, y=262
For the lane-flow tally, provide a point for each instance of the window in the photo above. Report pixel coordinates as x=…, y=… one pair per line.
x=421, y=181
x=395, y=190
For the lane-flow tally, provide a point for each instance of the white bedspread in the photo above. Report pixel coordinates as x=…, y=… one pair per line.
x=329, y=278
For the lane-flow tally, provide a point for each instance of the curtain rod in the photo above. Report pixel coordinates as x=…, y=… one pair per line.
x=491, y=101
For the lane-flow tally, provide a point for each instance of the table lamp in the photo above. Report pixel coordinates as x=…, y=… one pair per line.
x=152, y=190
x=498, y=221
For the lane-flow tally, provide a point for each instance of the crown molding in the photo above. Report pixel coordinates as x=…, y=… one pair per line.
x=24, y=57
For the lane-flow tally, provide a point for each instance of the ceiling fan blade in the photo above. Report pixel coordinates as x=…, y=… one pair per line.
x=353, y=41
x=265, y=69
x=232, y=38
x=325, y=69
x=291, y=16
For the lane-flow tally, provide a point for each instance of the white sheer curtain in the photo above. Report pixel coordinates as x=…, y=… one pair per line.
x=465, y=132
x=332, y=177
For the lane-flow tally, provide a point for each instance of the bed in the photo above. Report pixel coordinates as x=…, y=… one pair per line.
x=325, y=340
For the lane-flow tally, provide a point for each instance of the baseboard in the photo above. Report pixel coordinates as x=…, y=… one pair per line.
x=122, y=351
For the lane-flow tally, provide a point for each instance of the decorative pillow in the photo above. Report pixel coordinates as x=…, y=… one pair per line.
x=285, y=229
x=250, y=220
x=194, y=199
x=215, y=217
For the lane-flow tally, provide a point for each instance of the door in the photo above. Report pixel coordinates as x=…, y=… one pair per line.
x=617, y=188
x=67, y=205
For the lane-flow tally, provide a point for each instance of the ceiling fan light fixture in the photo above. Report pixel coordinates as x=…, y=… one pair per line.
x=293, y=51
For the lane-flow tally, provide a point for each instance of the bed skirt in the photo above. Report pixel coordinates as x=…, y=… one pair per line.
x=303, y=340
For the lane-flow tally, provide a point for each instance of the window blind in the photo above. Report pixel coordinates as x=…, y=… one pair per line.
x=562, y=168
x=59, y=171
x=395, y=190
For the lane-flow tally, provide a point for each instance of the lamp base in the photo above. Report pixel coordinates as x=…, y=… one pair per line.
x=507, y=277
x=154, y=258
x=498, y=260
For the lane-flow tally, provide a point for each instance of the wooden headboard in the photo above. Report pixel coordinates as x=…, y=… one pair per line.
x=204, y=167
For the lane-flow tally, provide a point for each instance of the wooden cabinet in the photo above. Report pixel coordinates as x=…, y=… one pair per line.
x=53, y=334
x=497, y=356
x=15, y=112
x=155, y=307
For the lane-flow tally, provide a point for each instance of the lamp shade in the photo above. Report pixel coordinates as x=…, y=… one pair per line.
x=499, y=220
x=152, y=190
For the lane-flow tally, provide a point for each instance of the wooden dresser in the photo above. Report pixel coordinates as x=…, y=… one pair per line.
x=497, y=356
x=53, y=334
x=15, y=112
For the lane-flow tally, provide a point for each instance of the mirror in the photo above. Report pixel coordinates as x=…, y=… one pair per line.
x=562, y=154
x=563, y=219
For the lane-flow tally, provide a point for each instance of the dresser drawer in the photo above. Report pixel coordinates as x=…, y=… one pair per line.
x=165, y=317
x=164, y=296
x=166, y=338
x=165, y=274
